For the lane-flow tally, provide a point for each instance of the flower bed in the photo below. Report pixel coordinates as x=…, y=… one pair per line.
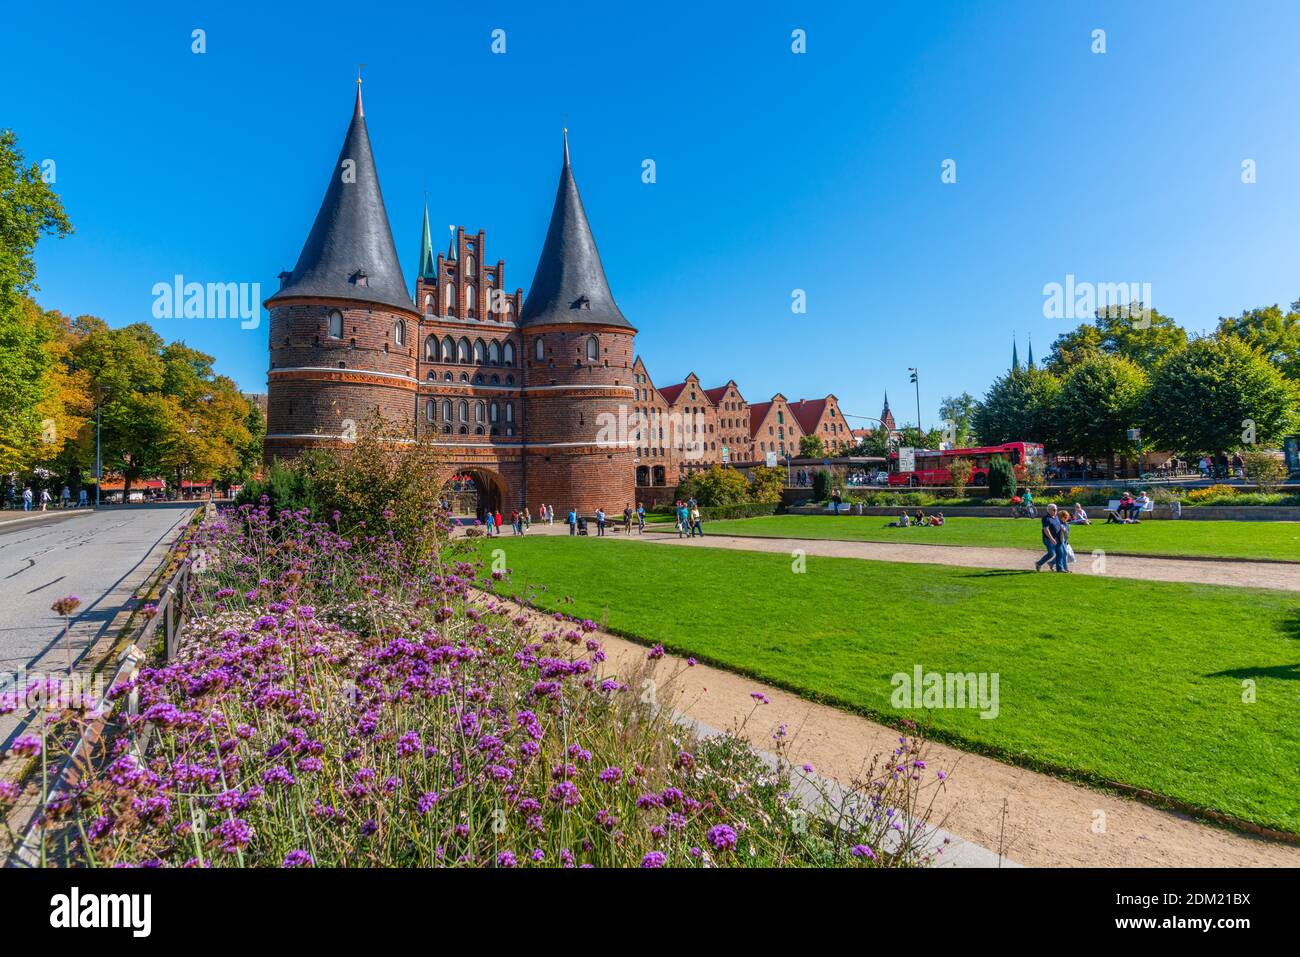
x=340, y=702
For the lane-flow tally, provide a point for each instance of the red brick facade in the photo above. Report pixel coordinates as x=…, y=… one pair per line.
x=557, y=411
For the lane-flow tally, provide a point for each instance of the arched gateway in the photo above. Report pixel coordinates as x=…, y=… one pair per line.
x=472, y=491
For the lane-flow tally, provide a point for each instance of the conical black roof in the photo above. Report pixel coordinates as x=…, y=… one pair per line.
x=349, y=253
x=570, y=284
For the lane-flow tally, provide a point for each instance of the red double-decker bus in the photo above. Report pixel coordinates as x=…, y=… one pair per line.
x=931, y=468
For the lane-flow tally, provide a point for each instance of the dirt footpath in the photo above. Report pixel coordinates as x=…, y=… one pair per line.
x=1239, y=573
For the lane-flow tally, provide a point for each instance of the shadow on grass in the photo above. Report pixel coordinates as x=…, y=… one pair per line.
x=1291, y=628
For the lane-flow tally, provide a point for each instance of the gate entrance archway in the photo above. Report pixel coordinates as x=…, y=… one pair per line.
x=473, y=491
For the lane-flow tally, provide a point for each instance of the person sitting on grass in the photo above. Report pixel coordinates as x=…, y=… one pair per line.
x=901, y=523
x=936, y=519
x=1080, y=517
x=918, y=517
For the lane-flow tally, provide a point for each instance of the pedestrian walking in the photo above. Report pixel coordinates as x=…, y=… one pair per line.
x=81, y=497
x=683, y=520
x=696, y=528
x=45, y=498
x=627, y=518
x=640, y=518
x=490, y=521
x=600, y=523
x=27, y=499
x=65, y=497
x=1051, y=538
x=573, y=521
x=528, y=518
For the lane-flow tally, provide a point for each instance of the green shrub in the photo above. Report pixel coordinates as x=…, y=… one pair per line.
x=284, y=486
x=1002, y=478
x=741, y=510
x=822, y=485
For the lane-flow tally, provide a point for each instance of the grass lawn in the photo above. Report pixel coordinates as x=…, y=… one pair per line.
x=1111, y=679
x=1193, y=538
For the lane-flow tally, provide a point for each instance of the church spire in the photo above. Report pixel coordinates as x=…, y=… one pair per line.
x=349, y=253
x=428, y=269
x=452, y=254
x=1031, y=350
x=1015, y=356
x=569, y=285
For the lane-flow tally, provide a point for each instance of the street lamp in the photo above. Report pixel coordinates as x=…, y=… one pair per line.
x=916, y=382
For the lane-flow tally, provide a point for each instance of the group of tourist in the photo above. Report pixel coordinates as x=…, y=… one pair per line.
x=917, y=519
x=578, y=525
x=688, y=519
x=1129, y=510
x=31, y=498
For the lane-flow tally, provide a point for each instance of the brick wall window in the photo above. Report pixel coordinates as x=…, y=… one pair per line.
x=335, y=324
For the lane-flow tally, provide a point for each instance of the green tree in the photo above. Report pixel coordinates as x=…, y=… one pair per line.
x=1273, y=332
x=29, y=209
x=1100, y=399
x=1219, y=394
x=765, y=484
x=811, y=447
x=1072, y=347
x=1139, y=334
x=29, y=389
x=1019, y=407
x=958, y=414
x=715, y=485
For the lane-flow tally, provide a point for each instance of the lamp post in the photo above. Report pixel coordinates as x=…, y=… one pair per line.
x=916, y=382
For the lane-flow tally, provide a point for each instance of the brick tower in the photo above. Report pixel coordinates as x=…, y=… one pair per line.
x=578, y=357
x=343, y=327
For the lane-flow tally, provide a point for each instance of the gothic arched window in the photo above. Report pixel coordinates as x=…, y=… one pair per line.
x=470, y=295
x=539, y=349
x=462, y=351
x=494, y=353
x=429, y=407
x=335, y=324
x=446, y=410
x=480, y=352
x=448, y=350
x=399, y=332
x=508, y=354
x=449, y=300
x=593, y=349
x=431, y=349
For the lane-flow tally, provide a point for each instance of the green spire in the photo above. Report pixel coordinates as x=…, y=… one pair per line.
x=427, y=269
x=1015, y=356
x=1031, y=351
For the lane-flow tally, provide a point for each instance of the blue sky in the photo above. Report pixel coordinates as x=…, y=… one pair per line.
x=775, y=171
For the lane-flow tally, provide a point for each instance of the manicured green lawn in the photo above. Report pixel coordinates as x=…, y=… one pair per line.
x=1194, y=538
x=1111, y=679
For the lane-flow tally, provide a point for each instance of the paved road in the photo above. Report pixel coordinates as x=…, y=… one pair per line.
x=102, y=557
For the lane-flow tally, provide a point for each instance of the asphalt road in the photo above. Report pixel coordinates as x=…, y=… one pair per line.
x=101, y=557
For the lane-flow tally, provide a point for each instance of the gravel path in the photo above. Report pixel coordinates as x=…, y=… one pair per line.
x=1239, y=573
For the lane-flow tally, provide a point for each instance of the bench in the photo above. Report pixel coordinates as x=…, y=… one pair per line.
x=1112, y=510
